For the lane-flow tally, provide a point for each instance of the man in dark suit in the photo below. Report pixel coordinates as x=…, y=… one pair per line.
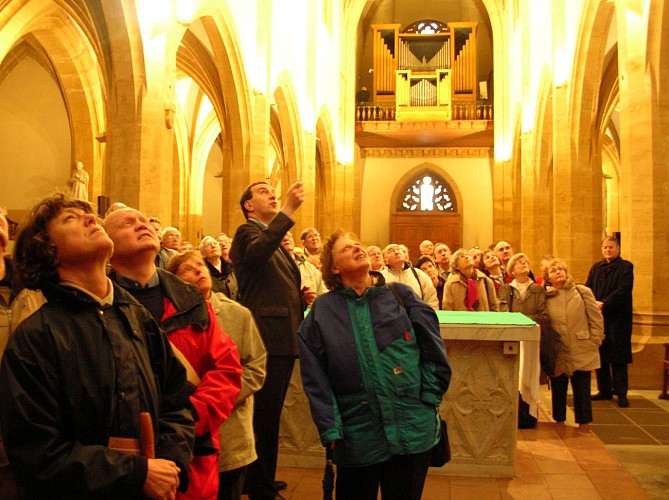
x=612, y=280
x=269, y=285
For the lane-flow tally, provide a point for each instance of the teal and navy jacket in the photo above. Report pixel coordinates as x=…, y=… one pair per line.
x=374, y=371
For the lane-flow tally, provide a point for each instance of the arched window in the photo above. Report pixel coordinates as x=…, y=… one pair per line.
x=427, y=192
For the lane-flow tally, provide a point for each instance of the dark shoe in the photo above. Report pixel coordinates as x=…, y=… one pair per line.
x=280, y=485
x=622, y=402
x=601, y=397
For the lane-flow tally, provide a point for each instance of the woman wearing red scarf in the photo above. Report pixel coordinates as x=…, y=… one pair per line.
x=468, y=289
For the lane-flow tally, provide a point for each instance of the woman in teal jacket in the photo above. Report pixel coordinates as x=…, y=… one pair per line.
x=374, y=369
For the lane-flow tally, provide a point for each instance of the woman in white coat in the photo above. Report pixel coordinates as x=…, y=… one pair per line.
x=575, y=316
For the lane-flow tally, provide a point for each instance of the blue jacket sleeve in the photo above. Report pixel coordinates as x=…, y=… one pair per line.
x=315, y=381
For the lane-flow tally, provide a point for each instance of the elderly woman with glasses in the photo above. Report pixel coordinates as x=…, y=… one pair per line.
x=222, y=278
x=574, y=314
x=467, y=288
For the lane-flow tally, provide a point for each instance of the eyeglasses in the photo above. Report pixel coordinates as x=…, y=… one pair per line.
x=212, y=244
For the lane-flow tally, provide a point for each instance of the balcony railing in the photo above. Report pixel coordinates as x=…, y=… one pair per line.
x=475, y=110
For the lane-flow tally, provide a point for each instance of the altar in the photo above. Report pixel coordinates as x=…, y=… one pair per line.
x=480, y=407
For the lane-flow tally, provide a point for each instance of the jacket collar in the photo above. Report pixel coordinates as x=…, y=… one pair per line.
x=55, y=292
x=378, y=281
x=187, y=300
x=551, y=291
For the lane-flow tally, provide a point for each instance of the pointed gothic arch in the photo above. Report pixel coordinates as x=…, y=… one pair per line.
x=410, y=227
x=64, y=43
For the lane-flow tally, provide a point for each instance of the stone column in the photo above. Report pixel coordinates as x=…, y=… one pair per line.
x=139, y=138
x=644, y=186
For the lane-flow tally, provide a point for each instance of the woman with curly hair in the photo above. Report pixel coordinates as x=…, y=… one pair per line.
x=374, y=369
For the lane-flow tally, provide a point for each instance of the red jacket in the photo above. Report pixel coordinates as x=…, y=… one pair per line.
x=214, y=357
x=191, y=326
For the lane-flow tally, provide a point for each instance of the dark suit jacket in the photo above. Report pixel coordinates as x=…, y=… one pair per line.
x=612, y=284
x=269, y=283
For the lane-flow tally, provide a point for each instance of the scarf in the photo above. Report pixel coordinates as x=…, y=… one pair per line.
x=472, y=295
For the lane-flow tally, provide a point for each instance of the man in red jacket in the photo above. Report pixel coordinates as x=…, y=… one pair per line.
x=191, y=326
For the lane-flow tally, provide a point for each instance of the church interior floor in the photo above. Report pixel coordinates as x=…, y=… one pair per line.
x=624, y=455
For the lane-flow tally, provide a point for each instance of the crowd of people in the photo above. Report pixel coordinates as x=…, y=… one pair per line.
x=111, y=318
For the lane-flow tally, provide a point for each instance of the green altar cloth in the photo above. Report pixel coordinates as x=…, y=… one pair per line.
x=483, y=318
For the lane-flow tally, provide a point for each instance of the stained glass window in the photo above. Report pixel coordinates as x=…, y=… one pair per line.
x=427, y=192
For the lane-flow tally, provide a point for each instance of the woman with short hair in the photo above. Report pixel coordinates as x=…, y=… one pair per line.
x=428, y=266
x=374, y=369
x=492, y=268
x=575, y=315
x=524, y=296
x=468, y=289
x=237, y=442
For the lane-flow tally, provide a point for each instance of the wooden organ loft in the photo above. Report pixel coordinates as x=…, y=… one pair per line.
x=428, y=70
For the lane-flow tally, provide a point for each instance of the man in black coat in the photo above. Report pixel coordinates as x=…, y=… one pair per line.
x=611, y=280
x=269, y=285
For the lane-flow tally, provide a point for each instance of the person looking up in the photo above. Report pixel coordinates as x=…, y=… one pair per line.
x=426, y=247
x=442, y=257
x=504, y=251
x=398, y=269
x=90, y=342
x=476, y=254
x=468, y=289
x=347, y=342
x=191, y=326
x=375, y=257
x=309, y=274
x=575, y=315
x=493, y=269
x=270, y=286
x=426, y=264
x=237, y=448
x=220, y=269
x=311, y=242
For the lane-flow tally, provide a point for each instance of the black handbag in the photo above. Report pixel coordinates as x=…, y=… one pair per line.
x=441, y=453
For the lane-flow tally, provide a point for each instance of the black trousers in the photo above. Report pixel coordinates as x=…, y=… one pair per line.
x=268, y=403
x=401, y=478
x=580, y=385
x=231, y=484
x=612, y=378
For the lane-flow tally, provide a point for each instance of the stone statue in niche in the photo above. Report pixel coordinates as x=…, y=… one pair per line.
x=79, y=182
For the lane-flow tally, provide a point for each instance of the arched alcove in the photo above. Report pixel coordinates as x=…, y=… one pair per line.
x=50, y=57
x=441, y=222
